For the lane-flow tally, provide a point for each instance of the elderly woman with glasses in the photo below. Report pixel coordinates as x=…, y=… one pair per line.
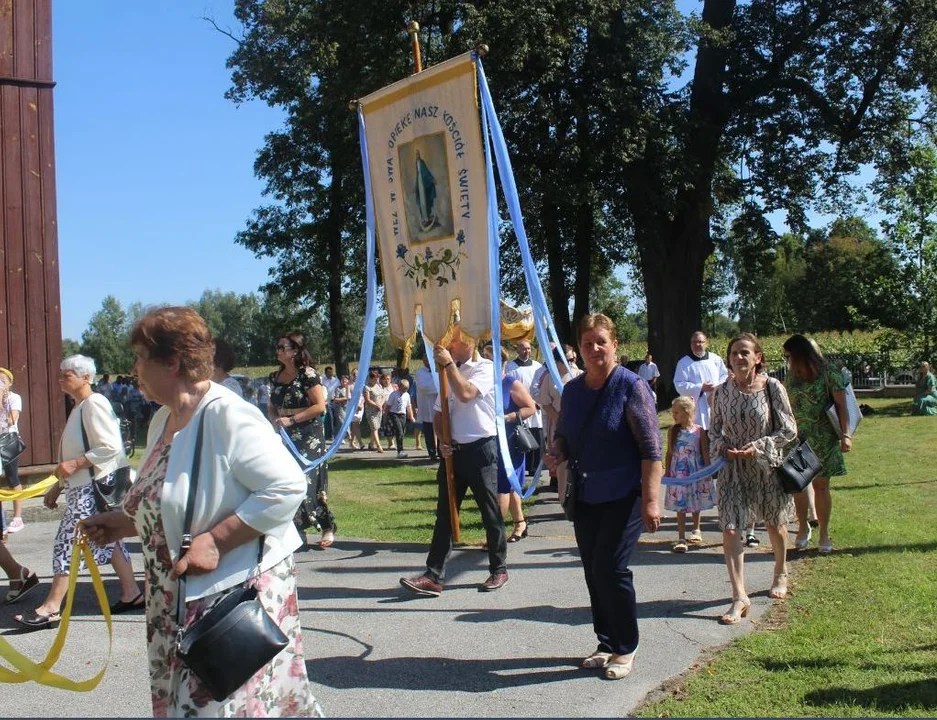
x=297, y=404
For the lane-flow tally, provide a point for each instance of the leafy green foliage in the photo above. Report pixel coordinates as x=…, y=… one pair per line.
x=107, y=338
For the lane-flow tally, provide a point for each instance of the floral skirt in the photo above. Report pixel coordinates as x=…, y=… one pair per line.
x=279, y=689
x=79, y=504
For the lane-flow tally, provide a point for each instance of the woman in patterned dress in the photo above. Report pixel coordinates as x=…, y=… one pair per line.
x=812, y=383
x=247, y=493
x=83, y=459
x=751, y=427
x=297, y=404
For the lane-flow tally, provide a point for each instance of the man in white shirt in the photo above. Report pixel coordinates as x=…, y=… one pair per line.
x=399, y=409
x=330, y=382
x=525, y=368
x=649, y=372
x=474, y=452
x=698, y=374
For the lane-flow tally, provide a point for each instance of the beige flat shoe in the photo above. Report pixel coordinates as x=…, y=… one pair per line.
x=598, y=659
x=619, y=666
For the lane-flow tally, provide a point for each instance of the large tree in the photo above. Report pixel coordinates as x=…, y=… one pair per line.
x=107, y=338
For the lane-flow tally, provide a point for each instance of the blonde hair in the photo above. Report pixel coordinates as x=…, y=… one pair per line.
x=685, y=403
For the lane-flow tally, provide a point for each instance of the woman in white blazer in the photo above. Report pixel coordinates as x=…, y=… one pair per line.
x=247, y=493
x=80, y=464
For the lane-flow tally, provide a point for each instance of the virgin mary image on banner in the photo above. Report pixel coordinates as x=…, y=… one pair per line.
x=424, y=173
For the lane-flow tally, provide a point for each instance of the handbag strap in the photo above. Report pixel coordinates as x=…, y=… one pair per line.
x=591, y=416
x=84, y=438
x=190, y=512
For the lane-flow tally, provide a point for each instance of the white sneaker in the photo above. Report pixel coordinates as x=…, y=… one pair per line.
x=16, y=524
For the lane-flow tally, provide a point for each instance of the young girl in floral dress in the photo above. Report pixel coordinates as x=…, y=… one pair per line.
x=687, y=452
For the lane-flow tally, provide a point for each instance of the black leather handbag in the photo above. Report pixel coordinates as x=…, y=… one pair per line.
x=227, y=645
x=800, y=466
x=108, y=491
x=524, y=440
x=11, y=447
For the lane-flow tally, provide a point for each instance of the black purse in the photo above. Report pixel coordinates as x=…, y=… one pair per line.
x=575, y=477
x=524, y=440
x=108, y=491
x=236, y=637
x=11, y=447
x=800, y=466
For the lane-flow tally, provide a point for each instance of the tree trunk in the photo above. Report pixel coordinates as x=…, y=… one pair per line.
x=673, y=253
x=585, y=236
x=336, y=272
x=557, y=269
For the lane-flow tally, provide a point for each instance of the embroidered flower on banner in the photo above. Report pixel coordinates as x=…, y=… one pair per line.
x=440, y=267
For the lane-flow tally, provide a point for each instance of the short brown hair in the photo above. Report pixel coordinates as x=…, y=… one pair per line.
x=598, y=321
x=177, y=333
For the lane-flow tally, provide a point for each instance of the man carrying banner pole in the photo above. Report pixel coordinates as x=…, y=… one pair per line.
x=473, y=454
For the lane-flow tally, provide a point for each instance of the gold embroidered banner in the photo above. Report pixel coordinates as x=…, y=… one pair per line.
x=430, y=203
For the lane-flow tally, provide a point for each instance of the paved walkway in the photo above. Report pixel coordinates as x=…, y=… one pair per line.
x=374, y=650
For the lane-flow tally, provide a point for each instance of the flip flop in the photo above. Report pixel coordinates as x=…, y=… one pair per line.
x=38, y=621
x=138, y=603
x=327, y=540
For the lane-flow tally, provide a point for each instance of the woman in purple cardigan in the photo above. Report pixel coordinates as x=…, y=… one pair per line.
x=608, y=428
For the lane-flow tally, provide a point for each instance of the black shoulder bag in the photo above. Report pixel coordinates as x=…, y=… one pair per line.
x=575, y=477
x=227, y=645
x=108, y=491
x=11, y=447
x=801, y=465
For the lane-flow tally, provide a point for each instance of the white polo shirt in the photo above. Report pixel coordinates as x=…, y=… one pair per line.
x=475, y=419
x=398, y=402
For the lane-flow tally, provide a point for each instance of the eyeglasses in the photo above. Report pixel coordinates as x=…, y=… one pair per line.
x=284, y=347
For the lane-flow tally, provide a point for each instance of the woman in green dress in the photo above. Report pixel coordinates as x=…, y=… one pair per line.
x=925, y=392
x=812, y=383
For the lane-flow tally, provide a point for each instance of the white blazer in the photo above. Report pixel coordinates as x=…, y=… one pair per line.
x=244, y=469
x=105, y=447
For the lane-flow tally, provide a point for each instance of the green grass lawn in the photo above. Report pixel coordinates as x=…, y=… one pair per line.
x=858, y=634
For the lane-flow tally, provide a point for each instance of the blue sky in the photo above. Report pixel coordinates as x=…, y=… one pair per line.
x=154, y=167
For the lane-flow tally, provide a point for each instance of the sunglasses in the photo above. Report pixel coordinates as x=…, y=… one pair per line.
x=284, y=347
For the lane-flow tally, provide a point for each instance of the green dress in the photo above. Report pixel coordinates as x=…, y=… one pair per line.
x=925, y=400
x=809, y=400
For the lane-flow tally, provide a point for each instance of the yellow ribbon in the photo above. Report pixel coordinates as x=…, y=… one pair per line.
x=32, y=491
x=41, y=672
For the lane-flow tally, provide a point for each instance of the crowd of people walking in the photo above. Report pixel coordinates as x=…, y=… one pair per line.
x=597, y=433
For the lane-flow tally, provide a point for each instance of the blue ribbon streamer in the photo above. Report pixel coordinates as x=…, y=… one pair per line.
x=710, y=469
x=370, y=317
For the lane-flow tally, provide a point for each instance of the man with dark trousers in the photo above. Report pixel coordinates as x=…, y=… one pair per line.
x=474, y=452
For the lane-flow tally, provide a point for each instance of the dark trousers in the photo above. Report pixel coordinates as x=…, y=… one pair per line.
x=398, y=421
x=607, y=534
x=533, y=457
x=474, y=466
x=429, y=434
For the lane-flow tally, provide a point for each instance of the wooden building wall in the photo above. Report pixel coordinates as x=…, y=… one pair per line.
x=30, y=319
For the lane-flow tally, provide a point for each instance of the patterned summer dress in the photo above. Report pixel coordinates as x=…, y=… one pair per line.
x=686, y=458
x=279, y=689
x=749, y=490
x=809, y=399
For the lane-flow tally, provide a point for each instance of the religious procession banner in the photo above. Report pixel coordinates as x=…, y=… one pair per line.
x=427, y=173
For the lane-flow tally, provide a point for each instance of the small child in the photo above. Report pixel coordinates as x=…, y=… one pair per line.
x=687, y=452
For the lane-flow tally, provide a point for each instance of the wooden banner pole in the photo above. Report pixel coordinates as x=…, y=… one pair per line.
x=447, y=439
x=413, y=27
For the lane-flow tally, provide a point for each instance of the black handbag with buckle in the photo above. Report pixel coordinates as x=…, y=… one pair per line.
x=108, y=491
x=236, y=637
x=11, y=447
x=800, y=466
x=524, y=440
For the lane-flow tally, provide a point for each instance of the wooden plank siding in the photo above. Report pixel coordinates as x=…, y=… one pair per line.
x=30, y=319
